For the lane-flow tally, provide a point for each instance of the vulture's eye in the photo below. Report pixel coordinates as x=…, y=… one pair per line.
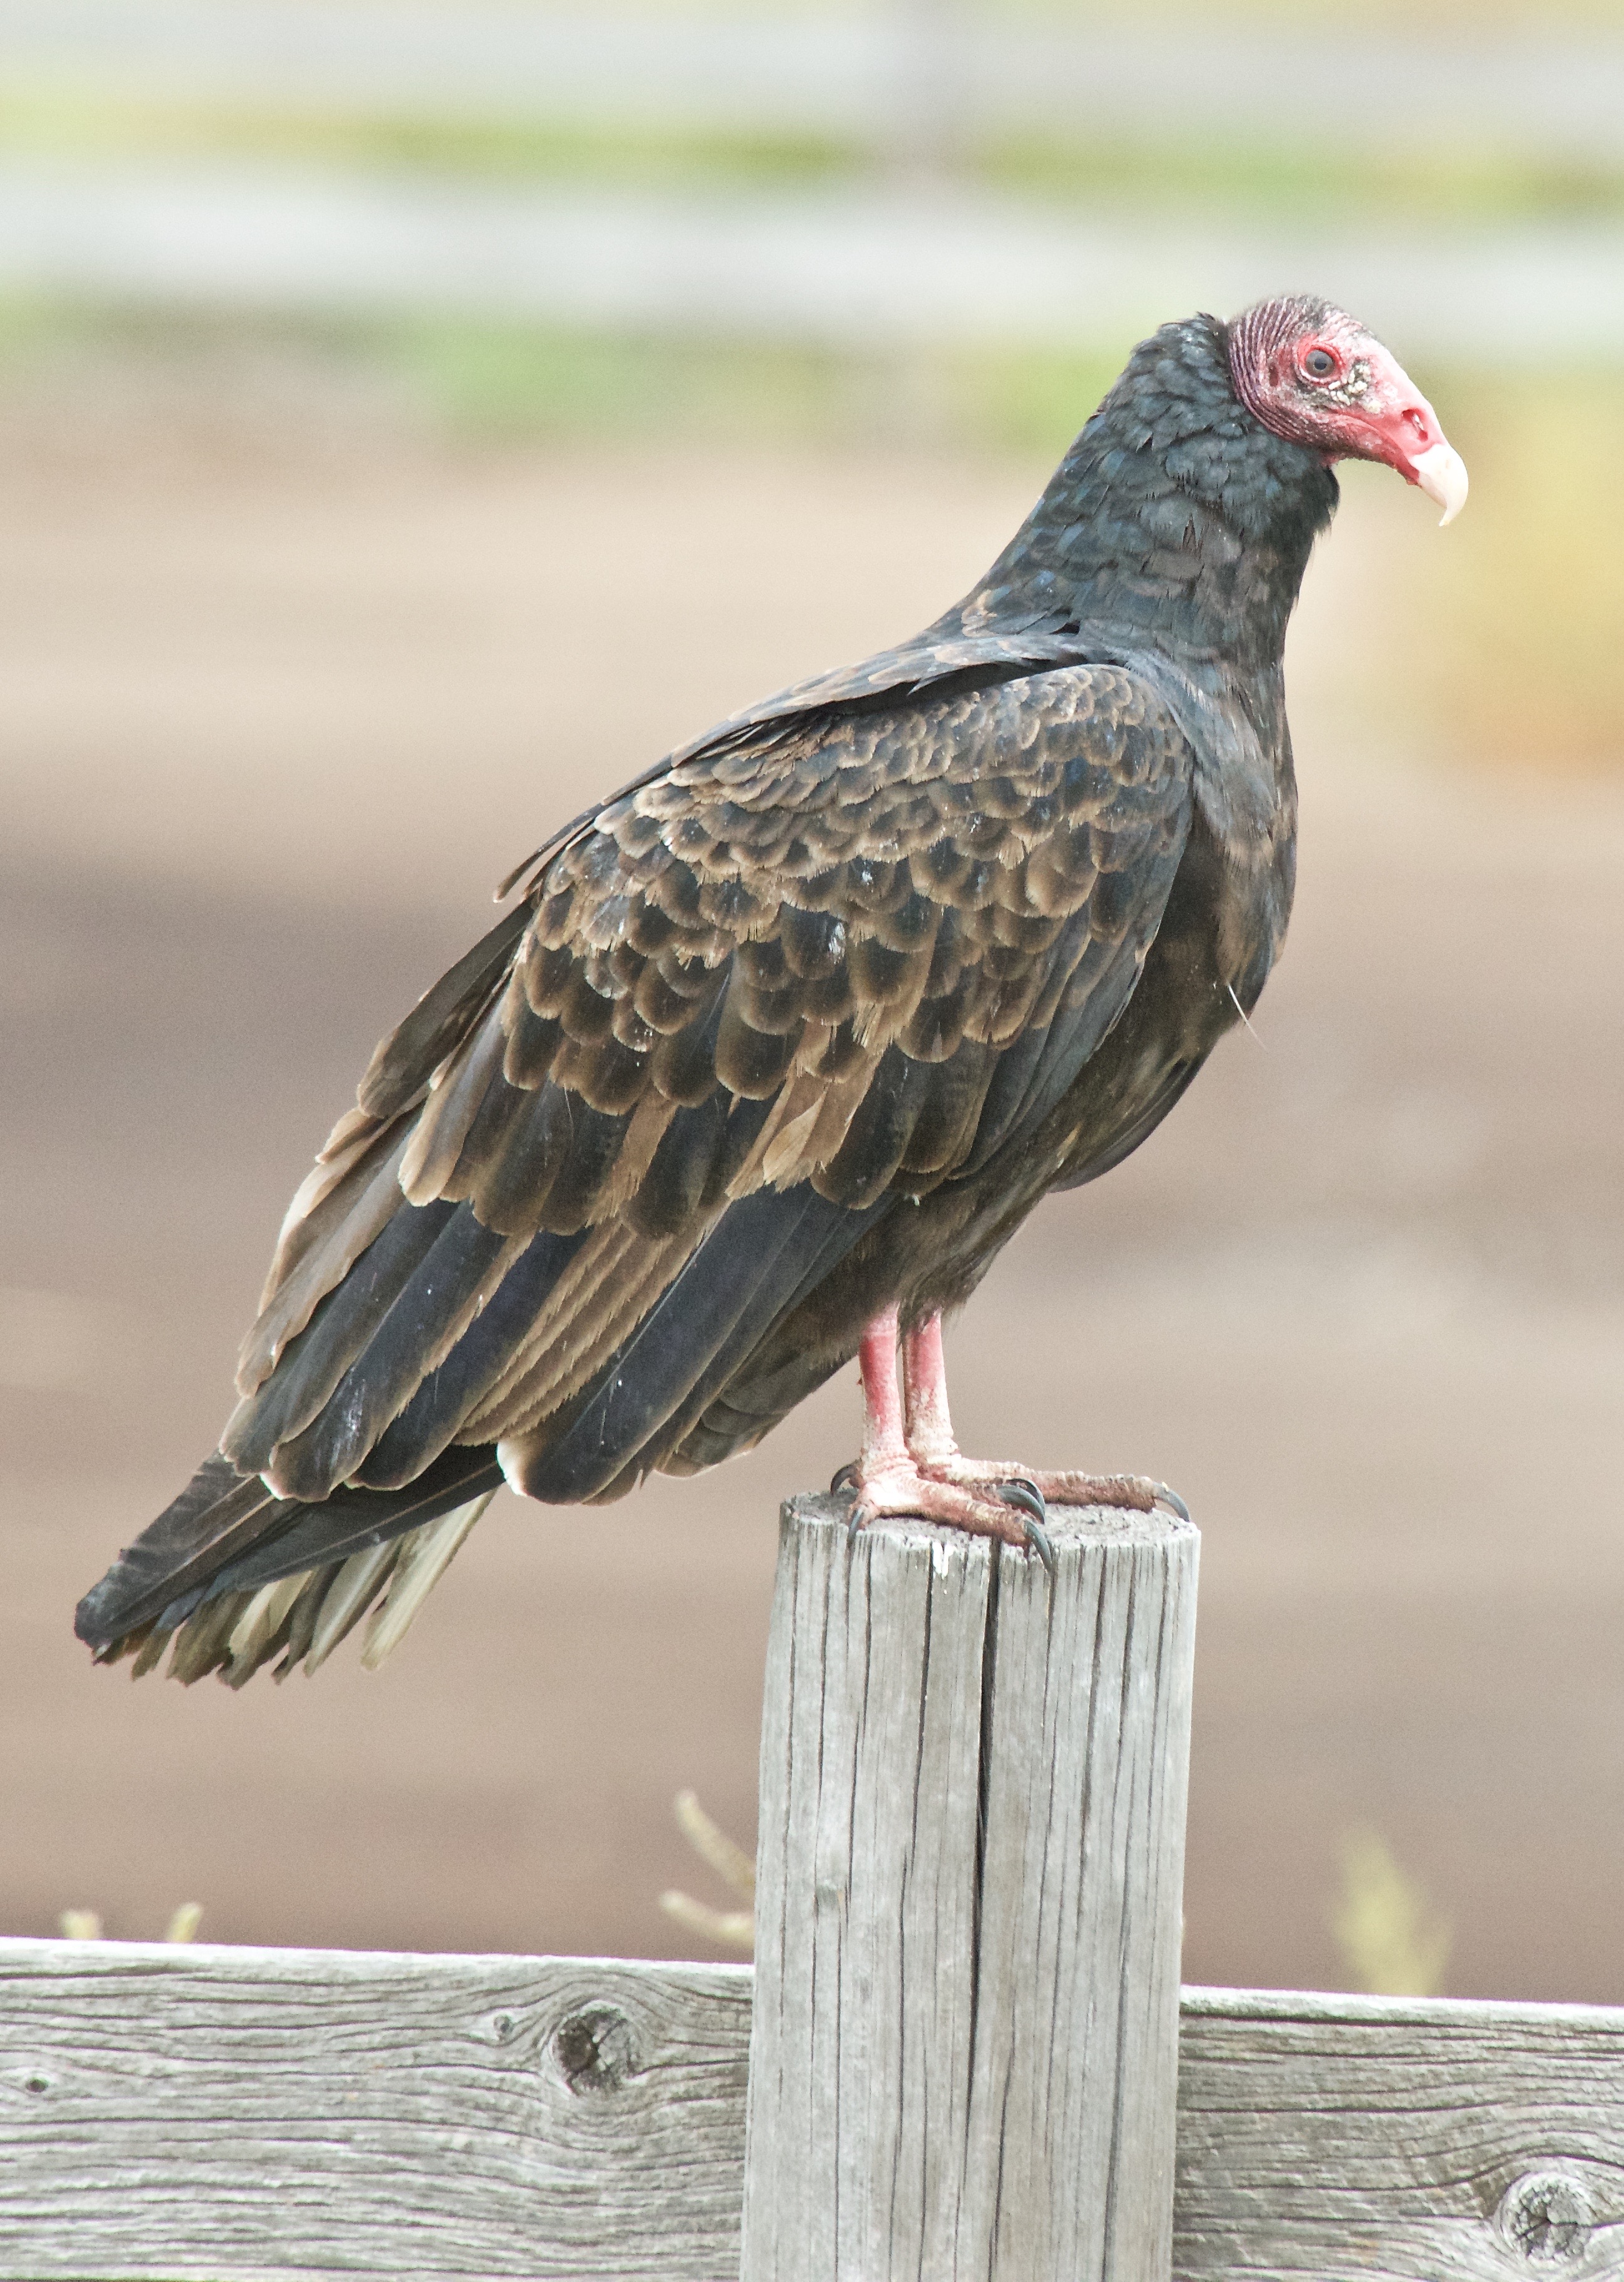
x=1319, y=364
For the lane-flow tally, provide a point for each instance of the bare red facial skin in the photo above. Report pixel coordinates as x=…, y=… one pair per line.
x=1312, y=374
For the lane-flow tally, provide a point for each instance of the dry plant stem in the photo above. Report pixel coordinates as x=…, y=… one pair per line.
x=734, y=1929
x=727, y=1928
x=713, y=1846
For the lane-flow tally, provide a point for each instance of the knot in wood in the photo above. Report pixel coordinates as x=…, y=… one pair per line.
x=595, y=2049
x=1545, y=2217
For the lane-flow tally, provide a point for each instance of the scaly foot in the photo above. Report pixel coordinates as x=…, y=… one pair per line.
x=894, y=1487
x=928, y=1432
x=911, y=1465
x=1136, y=1492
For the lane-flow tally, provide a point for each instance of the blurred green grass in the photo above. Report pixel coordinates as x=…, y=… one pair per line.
x=1392, y=1939
x=1513, y=659
x=1311, y=170
x=1509, y=660
x=475, y=380
x=79, y=120
x=1504, y=655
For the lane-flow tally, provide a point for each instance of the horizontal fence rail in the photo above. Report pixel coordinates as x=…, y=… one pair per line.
x=211, y=2114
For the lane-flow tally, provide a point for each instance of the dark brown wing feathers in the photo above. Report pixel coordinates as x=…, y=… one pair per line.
x=405, y=1060
x=756, y=999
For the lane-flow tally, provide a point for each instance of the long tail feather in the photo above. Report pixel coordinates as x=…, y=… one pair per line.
x=355, y=1587
x=302, y=1617
x=274, y=1577
x=425, y=1556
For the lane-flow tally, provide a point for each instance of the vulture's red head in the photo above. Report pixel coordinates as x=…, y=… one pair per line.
x=1311, y=373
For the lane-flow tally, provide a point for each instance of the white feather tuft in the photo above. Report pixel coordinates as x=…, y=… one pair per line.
x=347, y=1598
x=424, y=1561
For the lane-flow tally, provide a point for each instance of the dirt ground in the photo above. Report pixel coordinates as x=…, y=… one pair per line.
x=276, y=720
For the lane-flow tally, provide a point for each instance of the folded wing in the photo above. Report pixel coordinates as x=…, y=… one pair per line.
x=754, y=1003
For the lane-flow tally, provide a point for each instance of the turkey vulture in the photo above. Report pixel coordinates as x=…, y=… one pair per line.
x=780, y=1045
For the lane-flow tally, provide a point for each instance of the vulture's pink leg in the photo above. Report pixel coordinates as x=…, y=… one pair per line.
x=929, y=1425
x=929, y=1428
x=886, y=1478
x=883, y=1442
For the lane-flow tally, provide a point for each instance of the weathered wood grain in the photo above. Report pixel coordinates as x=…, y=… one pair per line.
x=973, y=1804
x=973, y=1779
x=234, y=2114
x=225, y=2113
x=1398, y=2139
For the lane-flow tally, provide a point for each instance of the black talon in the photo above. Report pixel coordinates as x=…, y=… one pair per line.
x=1026, y=1495
x=1028, y=1500
x=1170, y=1499
x=1038, y=1542
x=856, y=1525
x=845, y=1482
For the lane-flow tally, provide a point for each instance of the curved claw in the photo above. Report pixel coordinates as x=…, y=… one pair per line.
x=1038, y=1542
x=1025, y=1495
x=847, y=1482
x=1028, y=1500
x=1170, y=1499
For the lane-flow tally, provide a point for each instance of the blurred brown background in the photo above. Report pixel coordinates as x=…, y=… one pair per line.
x=319, y=608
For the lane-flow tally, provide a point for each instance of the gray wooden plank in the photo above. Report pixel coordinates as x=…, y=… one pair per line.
x=225, y=2113
x=964, y=2056
x=1345, y=2138
x=864, y=1898
x=221, y=2115
x=1074, y=2105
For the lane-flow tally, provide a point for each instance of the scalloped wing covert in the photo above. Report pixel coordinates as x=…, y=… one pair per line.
x=836, y=964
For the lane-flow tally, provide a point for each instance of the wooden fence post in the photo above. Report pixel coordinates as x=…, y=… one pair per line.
x=964, y=2049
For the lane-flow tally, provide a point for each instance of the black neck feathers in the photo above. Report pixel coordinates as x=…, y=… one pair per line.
x=1177, y=521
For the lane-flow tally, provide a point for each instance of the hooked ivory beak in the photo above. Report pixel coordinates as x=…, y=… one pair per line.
x=1441, y=473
